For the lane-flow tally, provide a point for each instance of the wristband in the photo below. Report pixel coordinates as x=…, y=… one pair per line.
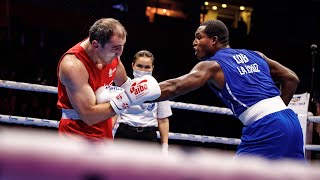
x=125, y=84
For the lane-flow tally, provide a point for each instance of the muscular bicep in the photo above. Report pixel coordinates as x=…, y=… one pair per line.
x=196, y=78
x=74, y=77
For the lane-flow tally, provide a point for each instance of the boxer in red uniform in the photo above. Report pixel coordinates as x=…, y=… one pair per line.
x=90, y=64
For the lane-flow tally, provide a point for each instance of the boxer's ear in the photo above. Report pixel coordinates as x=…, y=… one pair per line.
x=95, y=44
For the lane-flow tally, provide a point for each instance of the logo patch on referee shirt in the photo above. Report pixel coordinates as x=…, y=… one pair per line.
x=296, y=98
x=151, y=106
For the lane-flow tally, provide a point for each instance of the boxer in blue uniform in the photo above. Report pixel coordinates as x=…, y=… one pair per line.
x=245, y=81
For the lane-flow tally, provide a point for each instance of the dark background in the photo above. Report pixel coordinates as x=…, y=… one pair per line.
x=35, y=33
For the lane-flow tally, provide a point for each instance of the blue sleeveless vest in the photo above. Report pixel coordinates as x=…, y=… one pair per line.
x=247, y=79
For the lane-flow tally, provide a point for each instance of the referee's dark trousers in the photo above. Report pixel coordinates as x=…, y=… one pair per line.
x=126, y=131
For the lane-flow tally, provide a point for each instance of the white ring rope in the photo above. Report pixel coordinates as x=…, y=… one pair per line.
x=202, y=108
x=174, y=136
x=52, y=89
x=28, y=86
x=177, y=105
x=29, y=121
x=43, y=155
x=315, y=119
x=204, y=139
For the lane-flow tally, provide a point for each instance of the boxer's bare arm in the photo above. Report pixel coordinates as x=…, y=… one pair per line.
x=114, y=120
x=202, y=73
x=74, y=77
x=287, y=78
x=121, y=75
x=163, y=126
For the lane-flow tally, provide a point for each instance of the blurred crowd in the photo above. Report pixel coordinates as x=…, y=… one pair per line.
x=25, y=58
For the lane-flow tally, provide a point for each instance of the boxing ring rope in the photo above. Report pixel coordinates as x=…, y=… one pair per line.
x=177, y=105
x=176, y=136
x=28, y=86
x=27, y=154
x=52, y=89
x=41, y=155
x=315, y=119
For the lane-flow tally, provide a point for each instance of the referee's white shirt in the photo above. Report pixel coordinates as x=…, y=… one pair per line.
x=148, y=117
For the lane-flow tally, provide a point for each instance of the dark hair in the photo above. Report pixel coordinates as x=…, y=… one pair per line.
x=103, y=30
x=216, y=28
x=143, y=53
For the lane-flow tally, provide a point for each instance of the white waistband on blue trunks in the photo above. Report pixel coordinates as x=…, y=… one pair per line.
x=70, y=114
x=261, y=109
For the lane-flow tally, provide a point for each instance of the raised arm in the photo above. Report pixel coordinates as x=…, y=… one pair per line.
x=286, y=77
x=197, y=77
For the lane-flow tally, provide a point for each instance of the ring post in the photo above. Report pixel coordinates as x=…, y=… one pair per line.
x=299, y=104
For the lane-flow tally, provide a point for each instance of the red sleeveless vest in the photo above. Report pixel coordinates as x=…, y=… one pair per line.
x=97, y=78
